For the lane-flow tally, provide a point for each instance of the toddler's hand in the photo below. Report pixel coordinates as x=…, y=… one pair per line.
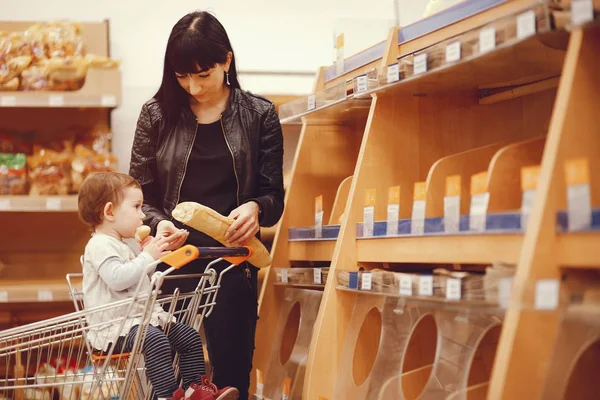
x=157, y=247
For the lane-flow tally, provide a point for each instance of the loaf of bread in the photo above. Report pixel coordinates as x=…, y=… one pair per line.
x=210, y=222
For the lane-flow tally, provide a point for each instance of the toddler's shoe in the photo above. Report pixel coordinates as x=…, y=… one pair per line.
x=209, y=391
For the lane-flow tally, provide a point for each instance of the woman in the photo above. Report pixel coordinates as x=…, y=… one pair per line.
x=202, y=139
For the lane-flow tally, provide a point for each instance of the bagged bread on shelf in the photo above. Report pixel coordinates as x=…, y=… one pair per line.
x=12, y=45
x=66, y=73
x=50, y=168
x=299, y=276
x=10, y=86
x=86, y=161
x=13, y=174
x=11, y=67
x=35, y=45
x=61, y=38
x=493, y=275
x=471, y=284
x=16, y=142
x=35, y=77
x=100, y=62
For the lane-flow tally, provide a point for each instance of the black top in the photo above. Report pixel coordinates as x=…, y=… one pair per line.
x=209, y=178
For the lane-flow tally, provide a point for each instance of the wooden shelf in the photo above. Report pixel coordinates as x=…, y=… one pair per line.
x=528, y=101
x=341, y=111
x=578, y=249
x=100, y=90
x=33, y=291
x=536, y=61
x=315, y=250
x=38, y=203
x=475, y=249
x=46, y=237
x=300, y=286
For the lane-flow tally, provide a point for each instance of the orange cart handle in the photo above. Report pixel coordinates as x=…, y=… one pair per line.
x=188, y=253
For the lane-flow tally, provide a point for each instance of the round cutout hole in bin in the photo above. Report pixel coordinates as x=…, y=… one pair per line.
x=367, y=346
x=290, y=334
x=480, y=370
x=583, y=382
x=419, y=357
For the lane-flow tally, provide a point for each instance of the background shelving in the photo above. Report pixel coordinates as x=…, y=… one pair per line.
x=498, y=109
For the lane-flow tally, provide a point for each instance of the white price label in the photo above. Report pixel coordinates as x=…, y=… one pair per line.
x=8, y=101
x=56, y=100
x=417, y=226
x=526, y=24
x=453, y=291
x=45, y=295
x=284, y=276
x=479, y=206
x=546, y=294
x=504, y=291
x=451, y=214
x=420, y=64
x=362, y=84
x=366, y=281
x=579, y=207
x=3, y=296
x=53, y=204
x=582, y=11
x=5, y=205
x=393, y=73
x=319, y=224
x=259, y=390
x=406, y=285
x=108, y=100
x=487, y=39
x=317, y=276
x=285, y=397
x=453, y=52
x=339, y=60
x=526, y=207
x=393, y=214
x=369, y=221
x=426, y=285
x=312, y=102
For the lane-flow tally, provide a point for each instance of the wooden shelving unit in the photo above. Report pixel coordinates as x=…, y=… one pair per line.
x=43, y=238
x=521, y=94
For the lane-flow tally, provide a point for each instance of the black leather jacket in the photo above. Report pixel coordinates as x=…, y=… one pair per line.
x=253, y=135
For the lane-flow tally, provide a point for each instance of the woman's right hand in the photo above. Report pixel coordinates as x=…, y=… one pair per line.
x=157, y=247
x=174, y=237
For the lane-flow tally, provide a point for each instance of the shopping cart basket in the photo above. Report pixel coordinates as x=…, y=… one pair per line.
x=63, y=358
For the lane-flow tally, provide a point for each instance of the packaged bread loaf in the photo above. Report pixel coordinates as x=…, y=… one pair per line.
x=210, y=222
x=13, y=174
x=10, y=86
x=65, y=74
x=35, y=77
x=49, y=168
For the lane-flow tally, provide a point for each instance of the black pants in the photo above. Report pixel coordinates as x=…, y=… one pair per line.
x=159, y=350
x=231, y=327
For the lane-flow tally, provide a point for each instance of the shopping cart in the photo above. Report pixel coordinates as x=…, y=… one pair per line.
x=64, y=358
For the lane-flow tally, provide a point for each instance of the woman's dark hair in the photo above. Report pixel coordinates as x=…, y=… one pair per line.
x=197, y=40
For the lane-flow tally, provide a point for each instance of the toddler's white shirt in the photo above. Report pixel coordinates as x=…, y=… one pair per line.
x=111, y=273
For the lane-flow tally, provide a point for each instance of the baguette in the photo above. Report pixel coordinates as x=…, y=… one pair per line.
x=210, y=222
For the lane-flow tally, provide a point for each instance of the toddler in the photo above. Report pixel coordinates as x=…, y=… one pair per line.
x=111, y=204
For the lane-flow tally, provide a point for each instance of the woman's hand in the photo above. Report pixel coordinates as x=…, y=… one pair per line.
x=245, y=225
x=173, y=236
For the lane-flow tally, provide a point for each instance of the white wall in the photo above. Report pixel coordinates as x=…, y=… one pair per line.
x=267, y=35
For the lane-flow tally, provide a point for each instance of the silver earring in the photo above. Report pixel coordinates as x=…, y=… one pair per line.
x=227, y=78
